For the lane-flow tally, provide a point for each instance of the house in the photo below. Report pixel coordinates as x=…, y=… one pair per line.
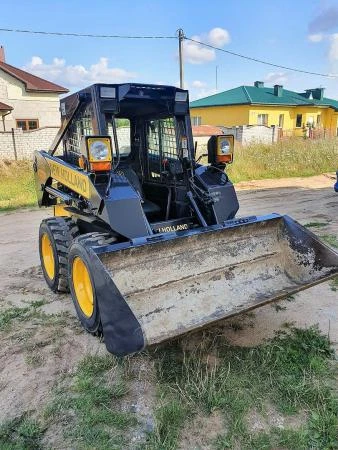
x=269, y=106
x=27, y=101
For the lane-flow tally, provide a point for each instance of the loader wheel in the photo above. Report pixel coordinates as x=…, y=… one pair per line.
x=55, y=236
x=81, y=281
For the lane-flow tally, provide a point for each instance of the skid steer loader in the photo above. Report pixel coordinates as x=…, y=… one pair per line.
x=144, y=236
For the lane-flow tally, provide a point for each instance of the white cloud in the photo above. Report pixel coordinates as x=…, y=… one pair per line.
x=333, y=51
x=218, y=37
x=198, y=84
x=276, y=77
x=77, y=75
x=195, y=53
x=317, y=37
x=195, y=94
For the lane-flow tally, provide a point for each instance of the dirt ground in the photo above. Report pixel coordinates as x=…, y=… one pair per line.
x=306, y=200
x=61, y=343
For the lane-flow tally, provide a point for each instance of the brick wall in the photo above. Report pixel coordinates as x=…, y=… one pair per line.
x=18, y=144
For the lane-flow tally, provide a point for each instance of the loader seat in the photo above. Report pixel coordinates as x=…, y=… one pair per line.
x=148, y=206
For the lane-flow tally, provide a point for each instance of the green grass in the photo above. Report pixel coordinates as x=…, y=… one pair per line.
x=16, y=185
x=15, y=314
x=34, y=359
x=330, y=239
x=294, y=157
x=88, y=407
x=23, y=433
x=85, y=406
x=9, y=315
x=169, y=419
x=290, y=158
x=334, y=284
x=315, y=224
x=291, y=372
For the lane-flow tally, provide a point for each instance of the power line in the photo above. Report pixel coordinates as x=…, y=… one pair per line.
x=114, y=36
x=106, y=36
x=259, y=60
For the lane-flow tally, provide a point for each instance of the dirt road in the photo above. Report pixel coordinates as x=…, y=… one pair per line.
x=21, y=284
x=306, y=200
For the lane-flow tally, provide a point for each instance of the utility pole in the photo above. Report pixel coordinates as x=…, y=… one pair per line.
x=180, y=56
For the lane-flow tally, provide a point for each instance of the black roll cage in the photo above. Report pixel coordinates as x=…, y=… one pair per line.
x=141, y=100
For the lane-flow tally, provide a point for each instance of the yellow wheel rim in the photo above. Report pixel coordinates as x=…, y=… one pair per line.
x=83, y=287
x=48, y=256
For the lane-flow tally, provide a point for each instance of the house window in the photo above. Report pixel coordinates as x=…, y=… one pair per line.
x=299, y=120
x=196, y=121
x=319, y=120
x=262, y=119
x=27, y=124
x=281, y=121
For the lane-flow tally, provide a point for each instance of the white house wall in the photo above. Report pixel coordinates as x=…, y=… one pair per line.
x=27, y=105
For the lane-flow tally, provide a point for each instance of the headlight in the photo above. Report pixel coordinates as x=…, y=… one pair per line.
x=99, y=148
x=225, y=147
x=99, y=151
x=221, y=149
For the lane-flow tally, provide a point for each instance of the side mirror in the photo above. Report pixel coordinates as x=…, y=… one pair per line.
x=221, y=149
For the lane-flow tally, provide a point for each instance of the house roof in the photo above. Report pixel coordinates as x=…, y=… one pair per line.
x=4, y=107
x=250, y=95
x=32, y=83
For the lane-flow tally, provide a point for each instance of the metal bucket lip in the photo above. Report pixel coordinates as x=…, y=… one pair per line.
x=173, y=235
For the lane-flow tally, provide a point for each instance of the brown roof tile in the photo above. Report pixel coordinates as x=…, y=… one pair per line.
x=4, y=107
x=32, y=82
x=206, y=130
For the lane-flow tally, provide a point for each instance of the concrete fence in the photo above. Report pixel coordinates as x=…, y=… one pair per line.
x=249, y=134
x=19, y=144
x=244, y=134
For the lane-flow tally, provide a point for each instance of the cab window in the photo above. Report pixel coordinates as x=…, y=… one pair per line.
x=122, y=134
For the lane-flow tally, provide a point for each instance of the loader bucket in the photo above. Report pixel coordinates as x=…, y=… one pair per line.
x=158, y=288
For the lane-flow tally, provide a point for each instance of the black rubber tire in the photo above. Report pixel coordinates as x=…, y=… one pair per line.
x=78, y=248
x=61, y=232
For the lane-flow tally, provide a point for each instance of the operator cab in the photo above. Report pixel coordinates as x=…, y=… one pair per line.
x=134, y=142
x=150, y=137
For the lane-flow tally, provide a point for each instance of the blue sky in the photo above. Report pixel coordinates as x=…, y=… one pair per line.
x=302, y=34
